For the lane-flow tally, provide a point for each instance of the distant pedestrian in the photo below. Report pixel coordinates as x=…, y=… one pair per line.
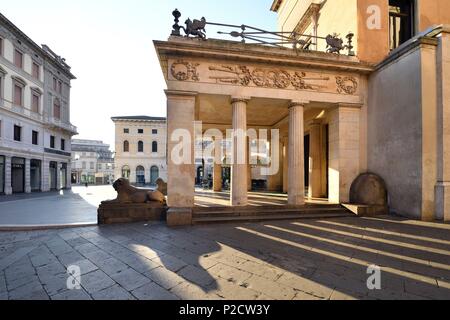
x=86, y=184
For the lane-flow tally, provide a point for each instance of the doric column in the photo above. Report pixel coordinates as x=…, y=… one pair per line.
x=8, y=186
x=249, y=166
x=27, y=176
x=217, y=171
x=285, y=164
x=296, y=184
x=315, y=159
x=239, y=169
x=180, y=157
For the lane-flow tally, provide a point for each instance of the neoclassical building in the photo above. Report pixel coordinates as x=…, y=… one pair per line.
x=376, y=101
x=141, y=150
x=35, y=128
x=92, y=162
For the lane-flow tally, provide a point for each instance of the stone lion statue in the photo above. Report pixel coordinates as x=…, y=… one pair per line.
x=126, y=193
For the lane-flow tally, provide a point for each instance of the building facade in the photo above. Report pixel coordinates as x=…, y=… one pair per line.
x=92, y=162
x=35, y=128
x=141, y=149
x=376, y=102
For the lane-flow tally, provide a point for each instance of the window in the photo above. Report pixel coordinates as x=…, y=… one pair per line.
x=126, y=130
x=83, y=165
x=63, y=144
x=100, y=167
x=92, y=165
x=155, y=147
x=17, y=133
x=140, y=146
x=54, y=83
x=140, y=131
x=126, y=172
x=35, y=138
x=18, y=94
x=126, y=146
x=52, y=142
x=18, y=59
x=56, y=109
x=155, y=131
x=36, y=70
x=35, y=102
x=59, y=87
x=1, y=47
x=401, y=22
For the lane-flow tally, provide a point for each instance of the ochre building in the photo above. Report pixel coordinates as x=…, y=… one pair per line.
x=382, y=105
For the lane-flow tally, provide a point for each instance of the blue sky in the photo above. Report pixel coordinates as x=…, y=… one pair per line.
x=108, y=43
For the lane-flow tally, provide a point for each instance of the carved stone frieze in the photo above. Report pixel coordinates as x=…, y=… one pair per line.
x=183, y=71
x=275, y=78
x=348, y=85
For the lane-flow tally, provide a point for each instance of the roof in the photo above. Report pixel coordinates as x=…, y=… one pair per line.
x=138, y=118
x=45, y=51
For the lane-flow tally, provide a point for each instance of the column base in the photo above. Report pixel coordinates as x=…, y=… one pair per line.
x=239, y=202
x=296, y=200
x=177, y=217
x=8, y=191
x=442, y=199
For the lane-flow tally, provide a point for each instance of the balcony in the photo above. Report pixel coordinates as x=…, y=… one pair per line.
x=58, y=124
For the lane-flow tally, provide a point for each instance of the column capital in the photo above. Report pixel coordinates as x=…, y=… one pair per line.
x=297, y=103
x=237, y=99
x=180, y=93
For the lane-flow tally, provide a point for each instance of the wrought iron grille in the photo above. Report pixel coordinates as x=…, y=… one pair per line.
x=248, y=34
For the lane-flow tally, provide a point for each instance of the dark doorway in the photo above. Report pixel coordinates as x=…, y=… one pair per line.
x=401, y=21
x=200, y=174
x=307, y=141
x=18, y=175
x=74, y=178
x=2, y=174
x=35, y=175
x=53, y=171
x=226, y=178
x=327, y=157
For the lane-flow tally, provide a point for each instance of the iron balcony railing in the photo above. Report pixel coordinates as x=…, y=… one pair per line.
x=248, y=34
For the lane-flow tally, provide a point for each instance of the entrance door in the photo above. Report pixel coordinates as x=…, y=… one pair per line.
x=35, y=175
x=154, y=175
x=2, y=174
x=18, y=175
x=140, y=175
x=52, y=173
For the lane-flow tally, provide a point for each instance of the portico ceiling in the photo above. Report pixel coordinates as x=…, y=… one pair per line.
x=217, y=109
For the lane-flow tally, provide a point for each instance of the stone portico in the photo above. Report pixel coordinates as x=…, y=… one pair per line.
x=315, y=97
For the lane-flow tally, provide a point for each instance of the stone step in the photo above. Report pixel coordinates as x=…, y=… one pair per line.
x=265, y=208
x=268, y=212
x=276, y=217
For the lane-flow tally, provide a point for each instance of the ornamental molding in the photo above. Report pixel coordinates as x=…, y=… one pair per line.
x=271, y=78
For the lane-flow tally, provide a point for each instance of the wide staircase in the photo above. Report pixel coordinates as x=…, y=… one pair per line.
x=205, y=215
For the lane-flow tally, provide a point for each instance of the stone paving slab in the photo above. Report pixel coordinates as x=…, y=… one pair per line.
x=307, y=260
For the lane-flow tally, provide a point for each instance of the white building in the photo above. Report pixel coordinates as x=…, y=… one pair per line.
x=141, y=149
x=35, y=128
x=92, y=162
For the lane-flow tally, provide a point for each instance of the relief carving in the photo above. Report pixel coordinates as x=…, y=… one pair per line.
x=347, y=85
x=183, y=71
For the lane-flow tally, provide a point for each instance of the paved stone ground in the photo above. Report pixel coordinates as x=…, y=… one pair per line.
x=308, y=259
x=78, y=205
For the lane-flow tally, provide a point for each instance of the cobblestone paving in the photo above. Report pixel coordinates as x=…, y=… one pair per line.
x=307, y=259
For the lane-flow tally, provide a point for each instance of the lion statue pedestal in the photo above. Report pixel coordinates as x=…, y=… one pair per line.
x=133, y=205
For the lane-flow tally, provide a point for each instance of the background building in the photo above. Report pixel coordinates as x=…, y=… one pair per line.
x=92, y=162
x=141, y=150
x=35, y=128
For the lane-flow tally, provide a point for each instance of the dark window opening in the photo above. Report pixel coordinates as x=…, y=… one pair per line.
x=35, y=138
x=140, y=146
x=155, y=147
x=17, y=133
x=154, y=131
x=63, y=144
x=52, y=142
x=140, y=131
x=126, y=130
x=401, y=22
x=126, y=146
